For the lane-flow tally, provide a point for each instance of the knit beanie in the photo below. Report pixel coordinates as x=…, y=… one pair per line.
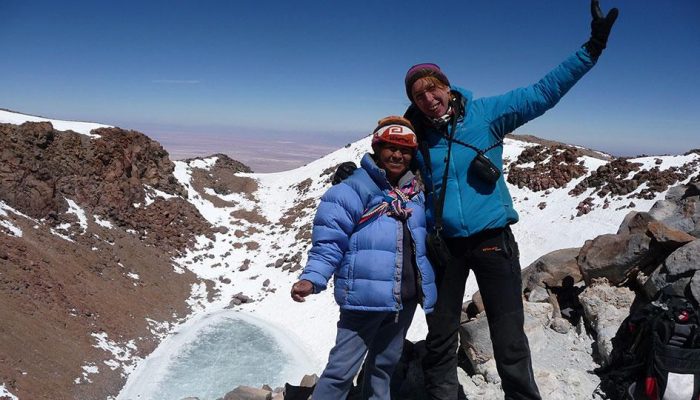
x=419, y=71
x=395, y=130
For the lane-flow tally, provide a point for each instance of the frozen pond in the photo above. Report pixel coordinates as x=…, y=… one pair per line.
x=211, y=356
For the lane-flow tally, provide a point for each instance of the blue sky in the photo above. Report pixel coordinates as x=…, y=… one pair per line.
x=325, y=72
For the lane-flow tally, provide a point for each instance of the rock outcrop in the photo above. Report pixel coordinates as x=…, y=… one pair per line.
x=88, y=229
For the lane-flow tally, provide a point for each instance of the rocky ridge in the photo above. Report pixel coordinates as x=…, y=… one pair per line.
x=88, y=229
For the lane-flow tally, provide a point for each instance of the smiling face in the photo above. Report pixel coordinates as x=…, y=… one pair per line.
x=394, y=159
x=431, y=96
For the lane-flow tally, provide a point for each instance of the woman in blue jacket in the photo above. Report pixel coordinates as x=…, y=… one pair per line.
x=369, y=232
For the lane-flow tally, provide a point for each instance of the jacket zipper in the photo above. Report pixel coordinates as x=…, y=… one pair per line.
x=400, y=272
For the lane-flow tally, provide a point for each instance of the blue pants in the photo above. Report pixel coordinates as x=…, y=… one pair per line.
x=377, y=334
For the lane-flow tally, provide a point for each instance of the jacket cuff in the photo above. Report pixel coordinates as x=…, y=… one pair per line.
x=317, y=280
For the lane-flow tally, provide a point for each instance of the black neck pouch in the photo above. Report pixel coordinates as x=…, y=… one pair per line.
x=481, y=167
x=484, y=169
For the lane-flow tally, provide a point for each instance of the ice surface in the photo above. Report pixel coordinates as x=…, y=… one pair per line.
x=215, y=354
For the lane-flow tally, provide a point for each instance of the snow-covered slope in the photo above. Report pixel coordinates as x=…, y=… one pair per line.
x=267, y=233
x=9, y=117
x=262, y=224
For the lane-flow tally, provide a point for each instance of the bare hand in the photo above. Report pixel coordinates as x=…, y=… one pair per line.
x=302, y=289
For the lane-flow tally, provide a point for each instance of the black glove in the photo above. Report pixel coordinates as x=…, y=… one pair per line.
x=600, y=29
x=343, y=171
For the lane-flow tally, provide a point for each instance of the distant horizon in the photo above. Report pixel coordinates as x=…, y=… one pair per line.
x=258, y=154
x=269, y=152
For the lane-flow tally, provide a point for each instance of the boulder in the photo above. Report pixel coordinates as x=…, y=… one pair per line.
x=669, y=238
x=477, y=302
x=551, y=269
x=248, y=393
x=308, y=380
x=680, y=210
x=685, y=259
x=612, y=256
x=475, y=339
x=560, y=325
x=605, y=307
x=538, y=295
x=635, y=222
x=695, y=286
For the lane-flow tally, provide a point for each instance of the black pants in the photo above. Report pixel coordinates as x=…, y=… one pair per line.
x=493, y=256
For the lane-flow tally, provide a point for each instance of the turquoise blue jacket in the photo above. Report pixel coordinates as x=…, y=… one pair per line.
x=470, y=205
x=366, y=260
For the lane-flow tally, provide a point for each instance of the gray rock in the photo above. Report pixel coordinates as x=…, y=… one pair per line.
x=612, y=256
x=561, y=363
x=560, y=325
x=654, y=282
x=477, y=302
x=678, y=285
x=680, y=192
x=295, y=267
x=695, y=286
x=605, y=307
x=634, y=222
x=661, y=278
x=476, y=342
x=538, y=295
x=248, y=393
x=680, y=209
x=308, y=380
x=686, y=258
x=552, y=268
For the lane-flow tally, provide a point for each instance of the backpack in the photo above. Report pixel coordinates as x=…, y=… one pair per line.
x=656, y=353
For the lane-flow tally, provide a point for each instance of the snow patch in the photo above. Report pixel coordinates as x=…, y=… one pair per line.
x=153, y=193
x=75, y=209
x=122, y=352
x=84, y=128
x=5, y=394
x=13, y=229
x=88, y=369
x=205, y=164
x=103, y=222
x=159, y=329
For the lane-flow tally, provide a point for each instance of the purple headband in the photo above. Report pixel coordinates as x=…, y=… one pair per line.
x=419, y=71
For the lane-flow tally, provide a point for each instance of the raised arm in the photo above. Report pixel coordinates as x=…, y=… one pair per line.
x=515, y=108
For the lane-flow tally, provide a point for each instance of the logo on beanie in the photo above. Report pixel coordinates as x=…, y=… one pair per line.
x=396, y=134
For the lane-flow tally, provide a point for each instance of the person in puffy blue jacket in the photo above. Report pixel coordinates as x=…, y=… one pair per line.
x=478, y=209
x=369, y=233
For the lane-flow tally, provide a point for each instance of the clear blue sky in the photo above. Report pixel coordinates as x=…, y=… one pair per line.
x=327, y=70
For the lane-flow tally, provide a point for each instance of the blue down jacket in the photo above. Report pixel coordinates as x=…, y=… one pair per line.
x=367, y=261
x=470, y=205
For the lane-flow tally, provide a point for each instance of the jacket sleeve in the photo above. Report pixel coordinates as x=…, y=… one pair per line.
x=513, y=109
x=337, y=214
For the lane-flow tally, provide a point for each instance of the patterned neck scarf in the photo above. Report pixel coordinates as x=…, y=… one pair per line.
x=394, y=203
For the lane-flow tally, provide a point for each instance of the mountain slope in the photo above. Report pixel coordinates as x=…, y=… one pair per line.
x=106, y=245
